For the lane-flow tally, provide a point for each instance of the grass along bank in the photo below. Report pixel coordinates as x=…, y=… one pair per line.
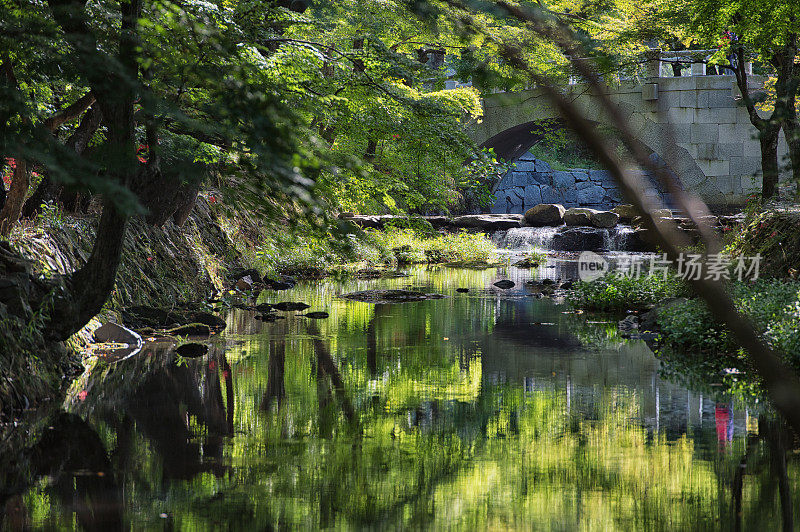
x=309, y=254
x=690, y=340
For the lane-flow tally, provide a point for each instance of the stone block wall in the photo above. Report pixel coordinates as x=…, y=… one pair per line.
x=694, y=122
x=719, y=137
x=532, y=181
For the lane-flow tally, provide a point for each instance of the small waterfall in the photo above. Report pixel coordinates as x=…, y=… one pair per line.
x=621, y=238
x=525, y=237
x=618, y=238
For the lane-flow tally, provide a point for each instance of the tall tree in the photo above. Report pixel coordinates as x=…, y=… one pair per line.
x=181, y=93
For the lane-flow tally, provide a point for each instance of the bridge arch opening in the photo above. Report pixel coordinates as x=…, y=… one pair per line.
x=576, y=180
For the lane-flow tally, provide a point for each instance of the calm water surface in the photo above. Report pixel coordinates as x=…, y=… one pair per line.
x=490, y=409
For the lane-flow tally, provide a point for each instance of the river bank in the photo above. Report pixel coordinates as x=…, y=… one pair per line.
x=218, y=261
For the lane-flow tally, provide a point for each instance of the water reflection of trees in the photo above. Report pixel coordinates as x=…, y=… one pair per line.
x=381, y=420
x=176, y=411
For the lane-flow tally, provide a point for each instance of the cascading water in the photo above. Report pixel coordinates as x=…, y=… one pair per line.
x=525, y=237
x=619, y=238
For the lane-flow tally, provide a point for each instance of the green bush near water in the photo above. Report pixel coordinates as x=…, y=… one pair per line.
x=410, y=246
x=773, y=305
x=317, y=255
x=618, y=293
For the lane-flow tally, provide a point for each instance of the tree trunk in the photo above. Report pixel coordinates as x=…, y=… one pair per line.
x=768, y=138
x=90, y=286
x=372, y=150
x=55, y=192
x=769, y=128
x=20, y=182
x=792, y=130
x=358, y=63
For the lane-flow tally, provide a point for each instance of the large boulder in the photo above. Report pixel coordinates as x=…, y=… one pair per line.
x=659, y=215
x=580, y=239
x=545, y=214
x=578, y=216
x=626, y=212
x=640, y=240
x=604, y=219
x=117, y=334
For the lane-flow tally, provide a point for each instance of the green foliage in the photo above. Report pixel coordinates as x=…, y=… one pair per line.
x=420, y=226
x=771, y=304
x=772, y=233
x=533, y=257
x=558, y=148
x=50, y=214
x=617, y=292
x=409, y=246
x=483, y=172
x=690, y=325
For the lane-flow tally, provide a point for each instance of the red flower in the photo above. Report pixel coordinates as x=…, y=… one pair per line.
x=773, y=234
x=150, y=259
x=212, y=365
x=82, y=395
x=212, y=198
x=225, y=374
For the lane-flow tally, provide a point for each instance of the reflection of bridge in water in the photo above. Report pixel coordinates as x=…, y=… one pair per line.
x=716, y=152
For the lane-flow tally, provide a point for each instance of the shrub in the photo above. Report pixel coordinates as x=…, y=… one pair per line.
x=772, y=305
x=409, y=246
x=616, y=292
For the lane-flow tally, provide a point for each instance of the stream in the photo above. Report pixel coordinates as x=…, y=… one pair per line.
x=485, y=409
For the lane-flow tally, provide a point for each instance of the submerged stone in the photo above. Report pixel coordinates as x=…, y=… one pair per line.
x=526, y=263
x=214, y=322
x=288, y=306
x=505, y=284
x=269, y=317
x=116, y=334
x=390, y=296
x=191, y=329
x=192, y=350
x=321, y=315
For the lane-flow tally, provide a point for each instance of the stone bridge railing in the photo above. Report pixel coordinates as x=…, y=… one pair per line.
x=655, y=64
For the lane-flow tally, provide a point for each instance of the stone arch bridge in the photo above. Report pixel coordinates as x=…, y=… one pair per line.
x=716, y=153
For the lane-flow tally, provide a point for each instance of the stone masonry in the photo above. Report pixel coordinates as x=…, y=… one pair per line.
x=693, y=123
x=532, y=181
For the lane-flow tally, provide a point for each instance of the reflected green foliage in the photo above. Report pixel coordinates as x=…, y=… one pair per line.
x=701, y=347
x=480, y=410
